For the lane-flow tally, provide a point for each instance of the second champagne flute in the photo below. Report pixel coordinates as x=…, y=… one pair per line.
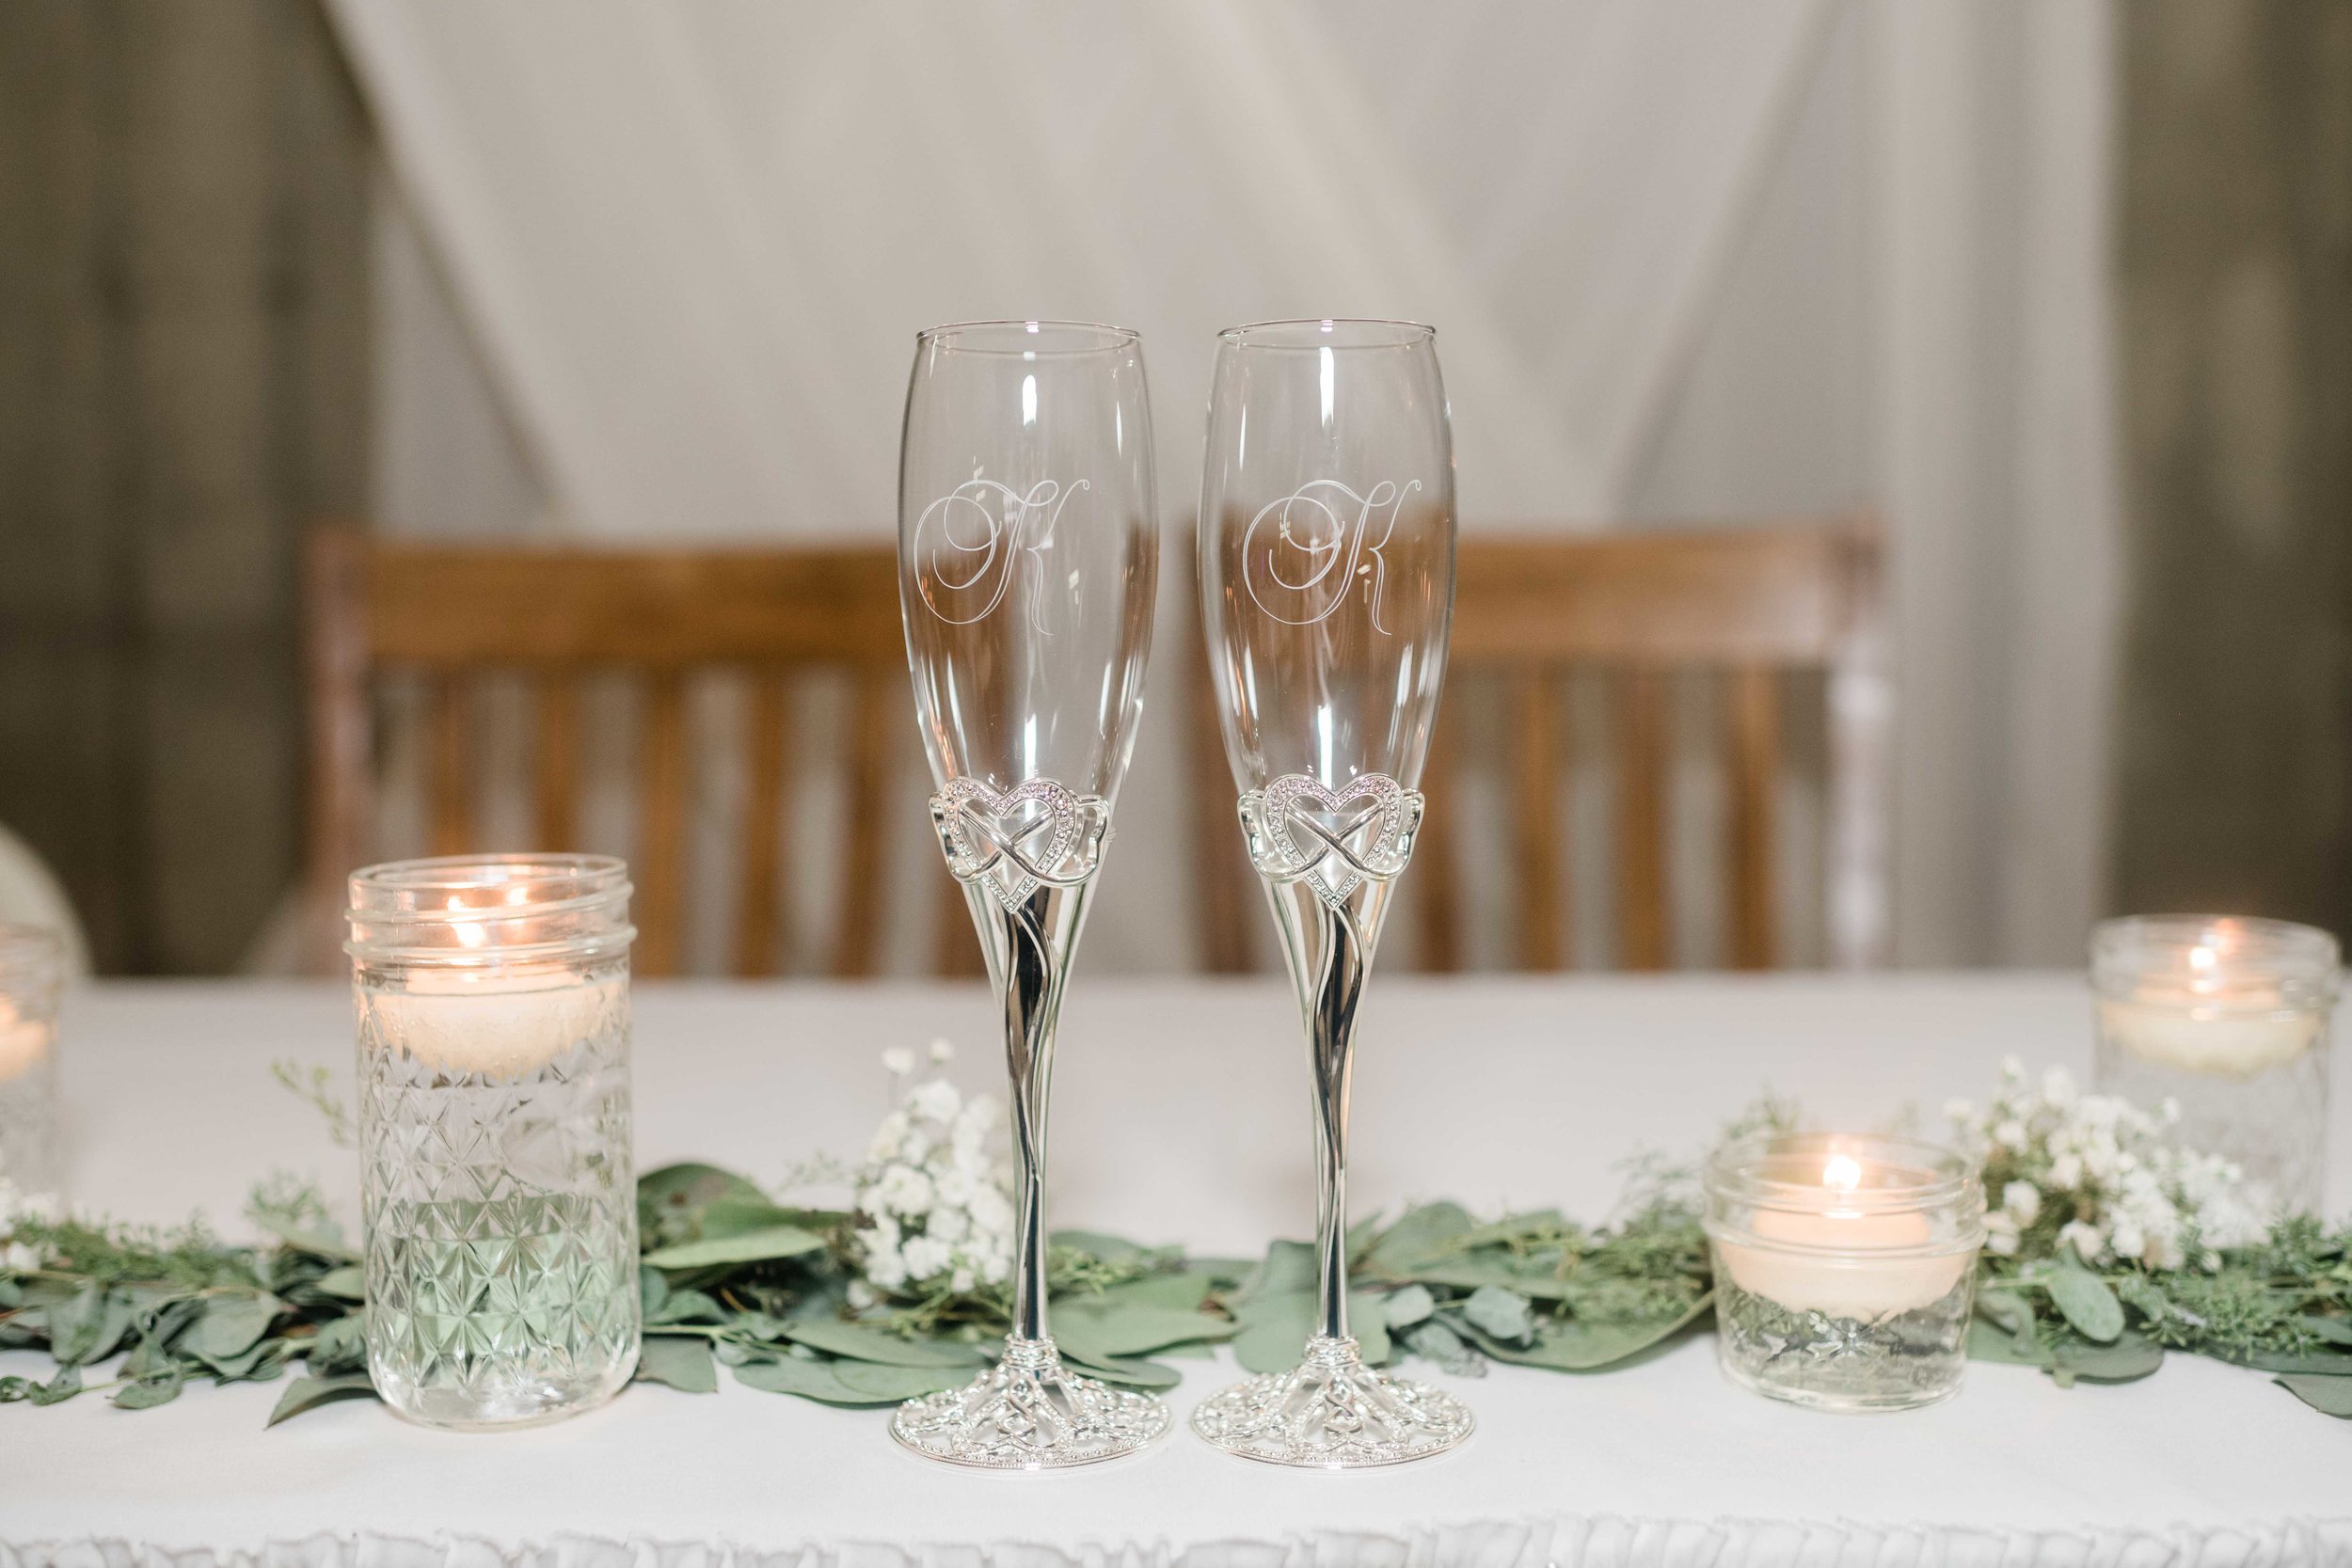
x=1027, y=557
x=1326, y=585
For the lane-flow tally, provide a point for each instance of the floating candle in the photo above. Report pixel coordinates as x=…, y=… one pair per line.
x=24, y=1041
x=1822, y=1252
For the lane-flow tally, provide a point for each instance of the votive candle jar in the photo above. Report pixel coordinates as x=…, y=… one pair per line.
x=32, y=980
x=1845, y=1268
x=496, y=1188
x=2227, y=1017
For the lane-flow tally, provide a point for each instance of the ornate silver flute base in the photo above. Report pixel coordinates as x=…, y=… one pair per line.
x=1029, y=1412
x=1332, y=1412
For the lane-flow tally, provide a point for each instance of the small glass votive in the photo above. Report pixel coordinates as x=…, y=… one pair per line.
x=1845, y=1268
x=32, y=978
x=2228, y=1018
x=492, y=1005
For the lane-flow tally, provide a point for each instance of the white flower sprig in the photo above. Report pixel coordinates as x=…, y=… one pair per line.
x=934, y=1196
x=2095, y=1173
x=17, y=1257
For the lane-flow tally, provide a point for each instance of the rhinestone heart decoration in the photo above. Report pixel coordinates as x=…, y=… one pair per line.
x=1037, y=833
x=1297, y=828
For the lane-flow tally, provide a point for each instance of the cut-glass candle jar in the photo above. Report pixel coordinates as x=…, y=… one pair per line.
x=492, y=1001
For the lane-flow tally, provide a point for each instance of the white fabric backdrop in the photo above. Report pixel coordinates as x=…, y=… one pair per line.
x=1725, y=257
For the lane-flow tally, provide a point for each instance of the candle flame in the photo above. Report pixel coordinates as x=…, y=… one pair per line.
x=469, y=932
x=1843, y=1173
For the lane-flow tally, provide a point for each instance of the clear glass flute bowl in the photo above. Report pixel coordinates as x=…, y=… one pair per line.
x=491, y=997
x=1845, y=1268
x=32, y=978
x=2227, y=1017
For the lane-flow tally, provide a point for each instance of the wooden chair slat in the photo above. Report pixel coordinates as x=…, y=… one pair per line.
x=1535, y=817
x=556, y=765
x=763, y=924
x=450, y=767
x=958, y=944
x=1752, y=755
x=662, y=828
x=879, y=689
x=1642, y=911
x=1224, y=886
x=1434, y=870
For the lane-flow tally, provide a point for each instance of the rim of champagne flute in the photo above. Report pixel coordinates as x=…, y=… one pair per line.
x=1026, y=336
x=1334, y=332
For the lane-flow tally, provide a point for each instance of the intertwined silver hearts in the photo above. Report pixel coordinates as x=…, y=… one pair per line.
x=1297, y=828
x=1038, y=833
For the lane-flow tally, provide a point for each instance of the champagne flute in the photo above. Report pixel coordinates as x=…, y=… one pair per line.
x=1326, y=580
x=1027, y=557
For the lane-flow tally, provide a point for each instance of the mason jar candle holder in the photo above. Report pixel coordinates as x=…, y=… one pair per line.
x=2228, y=1018
x=492, y=1007
x=32, y=978
x=1845, y=1268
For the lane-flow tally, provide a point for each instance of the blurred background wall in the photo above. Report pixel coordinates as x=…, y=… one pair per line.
x=603, y=272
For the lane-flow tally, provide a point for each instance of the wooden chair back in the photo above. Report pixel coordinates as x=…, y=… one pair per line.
x=453, y=616
x=1750, y=604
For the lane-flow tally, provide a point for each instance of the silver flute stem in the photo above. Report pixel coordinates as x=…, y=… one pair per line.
x=1032, y=1003
x=1331, y=1039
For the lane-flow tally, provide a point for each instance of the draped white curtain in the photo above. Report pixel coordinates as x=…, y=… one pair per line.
x=1711, y=256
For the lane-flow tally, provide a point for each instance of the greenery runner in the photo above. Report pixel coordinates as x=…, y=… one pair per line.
x=2107, y=1251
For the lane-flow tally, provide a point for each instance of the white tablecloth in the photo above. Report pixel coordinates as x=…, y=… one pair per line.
x=1180, y=1115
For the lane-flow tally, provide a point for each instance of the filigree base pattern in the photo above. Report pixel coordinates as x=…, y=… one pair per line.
x=1029, y=1412
x=1332, y=1412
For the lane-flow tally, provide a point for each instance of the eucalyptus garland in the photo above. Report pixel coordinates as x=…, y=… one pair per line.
x=2108, y=1253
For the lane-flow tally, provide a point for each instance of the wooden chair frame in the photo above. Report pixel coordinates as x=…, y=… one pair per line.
x=1751, y=602
x=450, y=614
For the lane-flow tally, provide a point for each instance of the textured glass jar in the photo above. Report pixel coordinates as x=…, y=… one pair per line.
x=32, y=976
x=492, y=1005
x=1845, y=1268
x=2228, y=1018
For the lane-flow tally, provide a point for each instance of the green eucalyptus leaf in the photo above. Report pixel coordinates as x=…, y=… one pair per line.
x=308, y=1393
x=687, y=1307
x=689, y=1188
x=750, y=1247
x=1582, y=1345
x=1273, y=1329
x=147, y=1393
x=2336, y=1331
x=1184, y=1290
x=2316, y=1363
x=1500, y=1314
x=1441, y=1344
x=1094, y=1243
x=1126, y=1373
x=2330, y=1395
x=346, y=1283
x=87, y=1326
x=15, y=1389
x=231, y=1325
x=341, y=1346
x=738, y=1215
x=653, y=1288
x=1103, y=1333
x=2132, y=1357
x=1421, y=1237
x=877, y=1346
x=59, y=1389
x=1287, y=1267
x=2085, y=1301
x=851, y=1383
x=1409, y=1306
x=258, y=1363
x=683, y=1362
x=1991, y=1341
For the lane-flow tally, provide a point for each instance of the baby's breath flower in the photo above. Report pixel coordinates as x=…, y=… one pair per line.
x=943, y=1052
x=933, y=1197
x=2022, y=1201
x=899, y=1061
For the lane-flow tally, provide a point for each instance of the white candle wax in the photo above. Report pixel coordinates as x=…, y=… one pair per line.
x=487, y=1022
x=23, y=1041
x=1823, y=1260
